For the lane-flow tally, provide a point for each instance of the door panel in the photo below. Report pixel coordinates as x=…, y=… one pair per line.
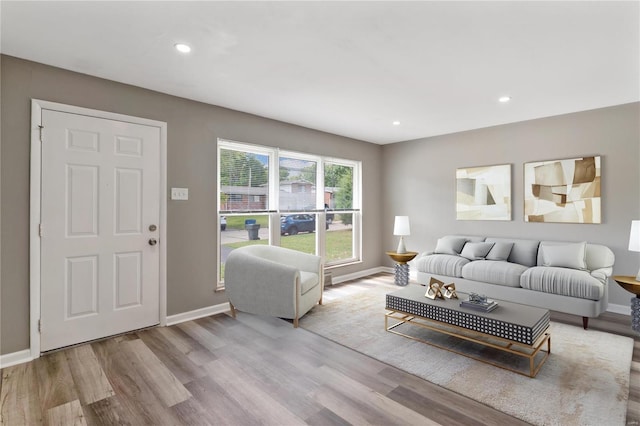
x=128, y=283
x=81, y=277
x=82, y=201
x=128, y=197
x=100, y=194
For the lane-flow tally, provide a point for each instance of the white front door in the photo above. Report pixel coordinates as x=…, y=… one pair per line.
x=100, y=212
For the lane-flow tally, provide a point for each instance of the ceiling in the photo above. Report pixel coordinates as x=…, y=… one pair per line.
x=350, y=68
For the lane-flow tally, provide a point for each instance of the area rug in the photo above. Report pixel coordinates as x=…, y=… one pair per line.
x=585, y=380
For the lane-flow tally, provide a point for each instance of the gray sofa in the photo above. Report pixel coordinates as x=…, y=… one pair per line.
x=567, y=277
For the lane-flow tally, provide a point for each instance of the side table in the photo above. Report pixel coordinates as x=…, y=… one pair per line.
x=630, y=283
x=402, y=268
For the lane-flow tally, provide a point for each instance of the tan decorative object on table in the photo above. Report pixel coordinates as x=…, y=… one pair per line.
x=435, y=289
x=449, y=291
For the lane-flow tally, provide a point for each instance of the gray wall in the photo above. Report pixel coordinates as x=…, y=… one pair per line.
x=419, y=180
x=415, y=178
x=191, y=226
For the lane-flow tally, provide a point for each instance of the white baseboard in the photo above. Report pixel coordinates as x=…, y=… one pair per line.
x=198, y=313
x=359, y=274
x=619, y=309
x=15, y=358
x=19, y=357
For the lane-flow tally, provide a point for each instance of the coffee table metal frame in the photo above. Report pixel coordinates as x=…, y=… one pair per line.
x=520, y=349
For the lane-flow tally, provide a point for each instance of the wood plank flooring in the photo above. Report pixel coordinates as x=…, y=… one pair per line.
x=249, y=371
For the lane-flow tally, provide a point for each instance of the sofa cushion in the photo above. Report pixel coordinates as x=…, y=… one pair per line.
x=562, y=281
x=489, y=271
x=476, y=251
x=450, y=245
x=441, y=264
x=308, y=280
x=500, y=251
x=571, y=255
x=524, y=252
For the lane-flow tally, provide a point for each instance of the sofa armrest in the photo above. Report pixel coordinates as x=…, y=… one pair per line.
x=602, y=274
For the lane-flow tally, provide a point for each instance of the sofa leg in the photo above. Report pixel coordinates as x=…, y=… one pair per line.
x=295, y=322
x=233, y=310
x=585, y=322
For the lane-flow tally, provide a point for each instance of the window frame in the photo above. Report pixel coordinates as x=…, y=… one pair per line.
x=273, y=210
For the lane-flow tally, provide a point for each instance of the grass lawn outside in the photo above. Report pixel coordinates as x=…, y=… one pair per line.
x=237, y=222
x=339, y=243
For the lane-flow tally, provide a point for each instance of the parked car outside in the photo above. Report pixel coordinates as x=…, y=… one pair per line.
x=294, y=223
x=223, y=223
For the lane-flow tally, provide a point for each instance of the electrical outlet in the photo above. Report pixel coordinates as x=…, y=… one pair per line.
x=179, y=193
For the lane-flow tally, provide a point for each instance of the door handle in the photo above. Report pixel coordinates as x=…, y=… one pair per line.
x=153, y=241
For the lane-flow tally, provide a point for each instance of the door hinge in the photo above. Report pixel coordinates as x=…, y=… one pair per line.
x=40, y=230
x=41, y=127
x=39, y=326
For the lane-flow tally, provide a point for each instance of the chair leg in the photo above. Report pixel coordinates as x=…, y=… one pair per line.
x=321, y=287
x=295, y=319
x=233, y=310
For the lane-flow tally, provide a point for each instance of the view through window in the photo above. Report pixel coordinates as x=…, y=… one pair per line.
x=294, y=200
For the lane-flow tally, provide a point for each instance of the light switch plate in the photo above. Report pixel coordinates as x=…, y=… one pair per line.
x=179, y=193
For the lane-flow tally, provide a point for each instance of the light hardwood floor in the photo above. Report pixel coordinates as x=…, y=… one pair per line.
x=248, y=371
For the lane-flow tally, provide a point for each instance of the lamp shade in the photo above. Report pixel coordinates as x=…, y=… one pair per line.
x=401, y=226
x=634, y=236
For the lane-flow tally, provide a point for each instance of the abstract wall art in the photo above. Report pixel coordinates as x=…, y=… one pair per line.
x=484, y=193
x=565, y=191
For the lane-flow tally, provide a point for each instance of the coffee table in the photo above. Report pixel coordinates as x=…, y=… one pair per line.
x=513, y=328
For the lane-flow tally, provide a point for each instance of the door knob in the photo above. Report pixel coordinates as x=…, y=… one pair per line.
x=153, y=241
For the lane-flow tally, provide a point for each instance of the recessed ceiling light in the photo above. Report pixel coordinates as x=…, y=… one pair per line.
x=396, y=123
x=184, y=48
x=504, y=99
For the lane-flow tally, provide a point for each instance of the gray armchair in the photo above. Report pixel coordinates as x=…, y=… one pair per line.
x=273, y=281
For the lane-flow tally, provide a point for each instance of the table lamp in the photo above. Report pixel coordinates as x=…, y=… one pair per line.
x=401, y=228
x=634, y=240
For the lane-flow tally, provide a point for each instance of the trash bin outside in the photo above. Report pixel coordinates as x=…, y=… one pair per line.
x=252, y=229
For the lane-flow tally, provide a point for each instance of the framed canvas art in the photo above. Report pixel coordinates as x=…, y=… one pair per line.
x=564, y=191
x=483, y=193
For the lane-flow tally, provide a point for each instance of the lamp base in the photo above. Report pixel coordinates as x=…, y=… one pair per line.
x=402, y=249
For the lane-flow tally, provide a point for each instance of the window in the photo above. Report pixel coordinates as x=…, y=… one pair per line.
x=307, y=203
x=338, y=202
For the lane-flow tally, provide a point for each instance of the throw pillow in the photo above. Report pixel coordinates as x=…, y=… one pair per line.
x=476, y=251
x=500, y=251
x=450, y=245
x=565, y=255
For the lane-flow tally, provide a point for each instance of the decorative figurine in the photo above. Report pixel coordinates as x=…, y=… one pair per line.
x=449, y=291
x=435, y=289
x=478, y=298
